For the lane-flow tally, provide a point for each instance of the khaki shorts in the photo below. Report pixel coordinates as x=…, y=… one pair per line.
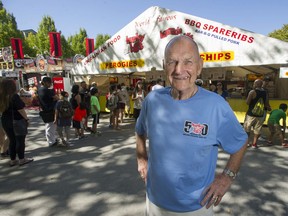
x=275, y=129
x=255, y=122
x=153, y=210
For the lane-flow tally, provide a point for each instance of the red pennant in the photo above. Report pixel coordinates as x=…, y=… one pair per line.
x=55, y=44
x=89, y=46
x=17, y=48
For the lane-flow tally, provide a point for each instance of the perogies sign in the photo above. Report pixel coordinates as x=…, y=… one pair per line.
x=122, y=64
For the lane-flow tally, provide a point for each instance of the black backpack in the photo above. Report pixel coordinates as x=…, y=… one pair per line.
x=65, y=110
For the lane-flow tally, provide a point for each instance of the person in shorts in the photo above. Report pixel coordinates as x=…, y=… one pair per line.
x=95, y=110
x=80, y=114
x=276, y=130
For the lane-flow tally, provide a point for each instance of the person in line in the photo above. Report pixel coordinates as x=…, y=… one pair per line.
x=63, y=117
x=150, y=86
x=4, y=142
x=112, y=105
x=256, y=100
x=93, y=85
x=75, y=99
x=212, y=87
x=127, y=109
x=122, y=95
x=95, y=110
x=85, y=97
x=185, y=125
x=159, y=84
x=267, y=108
x=138, y=98
x=12, y=107
x=220, y=90
x=274, y=124
x=47, y=100
x=79, y=116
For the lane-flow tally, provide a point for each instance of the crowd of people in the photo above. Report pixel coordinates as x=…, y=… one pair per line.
x=185, y=124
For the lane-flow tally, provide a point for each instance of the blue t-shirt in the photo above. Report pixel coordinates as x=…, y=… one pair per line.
x=184, y=136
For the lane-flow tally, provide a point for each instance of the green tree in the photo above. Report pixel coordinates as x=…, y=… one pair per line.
x=101, y=39
x=281, y=34
x=78, y=42
x=67, y=51
x=8, y=27
x=42, y=38
x=31, y=41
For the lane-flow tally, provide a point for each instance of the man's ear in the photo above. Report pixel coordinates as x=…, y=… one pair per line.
x=200, y=66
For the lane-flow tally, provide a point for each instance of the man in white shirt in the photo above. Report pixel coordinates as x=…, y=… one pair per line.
x=159, y=84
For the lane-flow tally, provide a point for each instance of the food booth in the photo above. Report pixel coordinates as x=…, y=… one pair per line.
x=231, y=55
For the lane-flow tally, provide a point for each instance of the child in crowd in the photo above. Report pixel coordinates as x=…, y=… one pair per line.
x=79, y=114
x=274, y=124
x=63, y=117
x=95, y=110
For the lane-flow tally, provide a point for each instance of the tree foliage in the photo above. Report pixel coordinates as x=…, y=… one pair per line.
x=78, y=43
x=8, y=27
x=42, y=38
x=101, y=39
x=281, y=34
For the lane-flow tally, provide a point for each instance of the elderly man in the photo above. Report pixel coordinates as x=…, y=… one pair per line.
x=185, y=125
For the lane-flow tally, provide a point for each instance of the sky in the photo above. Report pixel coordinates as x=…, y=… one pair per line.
x=109, y=16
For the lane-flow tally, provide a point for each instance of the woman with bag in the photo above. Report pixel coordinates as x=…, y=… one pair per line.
x=14, y=121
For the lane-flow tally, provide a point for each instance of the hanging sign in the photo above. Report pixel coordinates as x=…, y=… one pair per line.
x=283, y=72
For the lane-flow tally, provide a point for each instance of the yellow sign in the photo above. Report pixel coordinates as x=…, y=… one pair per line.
x=217, y=56
x=283, y=72
x=122, y=64
x=253, y=77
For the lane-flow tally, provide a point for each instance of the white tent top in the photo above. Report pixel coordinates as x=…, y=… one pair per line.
x=139, y=46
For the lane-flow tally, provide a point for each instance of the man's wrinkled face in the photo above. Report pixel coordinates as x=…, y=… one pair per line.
x=182, y=64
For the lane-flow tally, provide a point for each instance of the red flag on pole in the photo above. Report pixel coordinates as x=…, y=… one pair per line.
x=55, y=44
x=17, y=48
x=89, y=46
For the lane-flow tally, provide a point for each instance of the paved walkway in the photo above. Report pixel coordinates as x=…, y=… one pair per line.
x=98, y=176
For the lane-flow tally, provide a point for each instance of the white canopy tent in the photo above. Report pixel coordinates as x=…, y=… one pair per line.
x=139, y=46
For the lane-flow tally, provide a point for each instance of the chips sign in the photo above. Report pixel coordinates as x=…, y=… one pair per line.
x=283, y=72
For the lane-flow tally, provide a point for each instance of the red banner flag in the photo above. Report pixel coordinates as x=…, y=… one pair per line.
x=55, y=44
x=89, y=46
x=17, y=48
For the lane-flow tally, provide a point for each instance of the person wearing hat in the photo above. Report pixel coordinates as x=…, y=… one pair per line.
x=47, y=100
x=199, y=82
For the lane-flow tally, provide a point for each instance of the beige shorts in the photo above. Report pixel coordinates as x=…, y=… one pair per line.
x=275, y=129
x=153, y=210
x=255, y=122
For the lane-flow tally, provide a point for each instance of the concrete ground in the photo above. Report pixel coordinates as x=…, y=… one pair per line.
x=97, y=176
